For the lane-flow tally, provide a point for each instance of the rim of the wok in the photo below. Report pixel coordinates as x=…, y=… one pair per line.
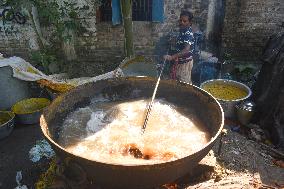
x=228, y=81
x=146, y=164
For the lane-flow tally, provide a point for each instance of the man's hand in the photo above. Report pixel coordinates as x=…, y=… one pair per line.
x=168, y=57
x=159, y=68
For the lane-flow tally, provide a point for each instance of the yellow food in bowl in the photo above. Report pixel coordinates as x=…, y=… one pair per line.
x=30, y=105
x=225, y=91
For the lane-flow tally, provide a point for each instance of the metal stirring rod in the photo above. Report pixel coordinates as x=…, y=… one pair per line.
x=153, y=97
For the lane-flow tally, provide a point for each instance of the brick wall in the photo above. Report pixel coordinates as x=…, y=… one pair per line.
x=17, y=40
x=106, y=47
x=248, y=25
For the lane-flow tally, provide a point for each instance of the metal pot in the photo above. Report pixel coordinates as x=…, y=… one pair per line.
x=28, y=111
x=12, y=89
x=229, y=105
x=195, y=100
x=245, y=111
x=6, y=123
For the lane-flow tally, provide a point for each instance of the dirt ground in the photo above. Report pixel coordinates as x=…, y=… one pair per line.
x=241, y=163
x=14, y=156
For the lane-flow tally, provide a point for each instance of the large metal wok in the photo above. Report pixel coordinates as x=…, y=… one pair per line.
x=196, y=101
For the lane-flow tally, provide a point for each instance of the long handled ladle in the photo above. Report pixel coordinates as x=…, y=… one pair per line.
x=149, y=107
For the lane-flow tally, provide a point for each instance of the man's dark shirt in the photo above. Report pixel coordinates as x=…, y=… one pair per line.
x=185, y=37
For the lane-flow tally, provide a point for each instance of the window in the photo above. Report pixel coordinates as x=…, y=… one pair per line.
x=142, y=10
x=105, y=11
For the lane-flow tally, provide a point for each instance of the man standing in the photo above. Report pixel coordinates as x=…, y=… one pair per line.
x=182, y=57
